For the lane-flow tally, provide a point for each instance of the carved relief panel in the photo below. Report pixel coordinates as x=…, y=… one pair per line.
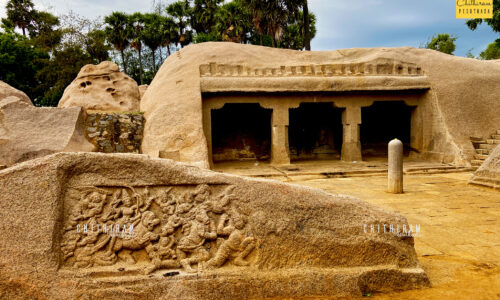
x=193, y=227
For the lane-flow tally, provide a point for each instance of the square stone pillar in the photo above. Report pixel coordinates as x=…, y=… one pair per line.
x=351, y=146
x=279, y=136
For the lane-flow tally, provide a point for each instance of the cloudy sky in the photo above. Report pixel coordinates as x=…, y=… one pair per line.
x=340, y=23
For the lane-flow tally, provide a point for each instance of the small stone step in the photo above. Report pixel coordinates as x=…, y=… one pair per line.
x=476, y=162
x=483, y=151
x=495, y=136
x=475, y=139
x=480, y=156
x=487, y=146
x=498, y=131
x=493, y=141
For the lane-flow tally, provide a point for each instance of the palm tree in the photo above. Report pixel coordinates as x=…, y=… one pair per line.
x=152, y=34
x=169, y=32
x=19, y=12
x=118, y=32
x=138, y=24
x=180, y=11
x=294, y=6
x=204, y=15
x=233, y=22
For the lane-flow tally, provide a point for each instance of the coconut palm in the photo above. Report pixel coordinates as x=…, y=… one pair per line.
x=153, y=34
x=180, y=11
x=118, y=32
x=138, y=25
x=19, y=12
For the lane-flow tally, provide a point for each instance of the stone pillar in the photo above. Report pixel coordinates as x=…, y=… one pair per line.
x=351, y=146
x=395, y=171
x=279, y=136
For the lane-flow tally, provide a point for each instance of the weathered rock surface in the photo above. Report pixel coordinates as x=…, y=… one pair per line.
x=102, y=88
x=142, y=89
x=8, y=91
x=28, y=132
x=115, y=133
x=459, y=103
x=488, y=173
x=197, y=234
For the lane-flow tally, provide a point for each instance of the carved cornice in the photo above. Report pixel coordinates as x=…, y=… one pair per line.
x=379, y=67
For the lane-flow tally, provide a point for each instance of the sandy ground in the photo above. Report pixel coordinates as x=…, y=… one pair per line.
x=459, y=243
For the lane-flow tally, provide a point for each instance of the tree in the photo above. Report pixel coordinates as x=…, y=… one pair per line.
x=492, y=51
x=180, y=11
x=118, y=32
x=233, y=23
x=89, y=34
x=204, y=15
x=58, y=73
x=20, y=61
x=95, y=45
x=442, y=42
x=19, y=12
x=44, y=30
x=293, y=36
x=154, y=33
x=494, y=22
x=137, y=21
x=301, y=7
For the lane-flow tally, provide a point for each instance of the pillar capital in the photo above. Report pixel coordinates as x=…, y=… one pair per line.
x=351, y=115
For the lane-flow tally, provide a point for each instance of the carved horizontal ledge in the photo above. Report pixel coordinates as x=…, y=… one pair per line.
x=385, y=68
x=314, y=84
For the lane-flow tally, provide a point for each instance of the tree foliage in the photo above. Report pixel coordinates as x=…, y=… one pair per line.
x=492, y=51
x=442, y=42
x=494, y=22
x=51, y=50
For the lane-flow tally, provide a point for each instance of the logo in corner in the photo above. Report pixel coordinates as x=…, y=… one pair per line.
x=472, y=9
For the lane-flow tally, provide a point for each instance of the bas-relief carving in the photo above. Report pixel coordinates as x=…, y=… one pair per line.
x=163, y=227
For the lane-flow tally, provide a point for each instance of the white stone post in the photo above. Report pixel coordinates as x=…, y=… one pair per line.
x=395, y=172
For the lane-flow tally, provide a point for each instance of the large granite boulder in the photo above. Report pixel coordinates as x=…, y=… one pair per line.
x=173, y=103
x=102, y=88
x=28, y=132
x=8, y=91
x=123, y=226
x=488, y=173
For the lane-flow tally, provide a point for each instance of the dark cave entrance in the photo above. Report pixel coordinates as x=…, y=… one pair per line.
x=315, y=131
x=241, y=131
x=383, y=122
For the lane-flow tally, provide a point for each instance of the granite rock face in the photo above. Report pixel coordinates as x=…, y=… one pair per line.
x=102, y=88
x=121, y=226
x=142, y=89
x=174, y=102
x=28, y=132
x=8, y=91
x=488, y=173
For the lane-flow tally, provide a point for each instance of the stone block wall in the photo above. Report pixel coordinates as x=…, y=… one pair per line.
x=115, y=132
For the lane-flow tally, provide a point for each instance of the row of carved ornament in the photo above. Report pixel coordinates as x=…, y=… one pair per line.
x=371, y=69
